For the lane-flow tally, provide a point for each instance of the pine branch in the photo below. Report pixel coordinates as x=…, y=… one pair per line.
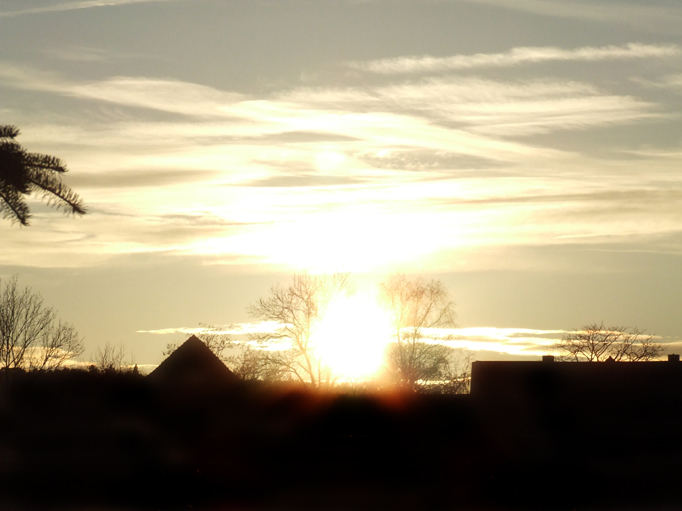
x=44, y=162
x=9, y=131
x=12, y=205
x=12, y=168
x=57, y=193
x=22, y=172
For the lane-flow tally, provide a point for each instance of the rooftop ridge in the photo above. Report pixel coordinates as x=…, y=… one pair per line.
x=191, y=363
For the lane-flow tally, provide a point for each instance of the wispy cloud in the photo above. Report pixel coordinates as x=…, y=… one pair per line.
x=251, y=117
x=516, y=108
x=515, y=57
x=671, y=82
x=400, y=114
x=338, y=175
x=236, y=329
x=139, y=179
x=483, y=342
x=165, y=95
x=73, y=6
x=647, y=15
x=81, y=53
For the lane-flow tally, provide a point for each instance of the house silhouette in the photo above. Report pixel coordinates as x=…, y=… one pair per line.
x=578, y=383
x=192, y=364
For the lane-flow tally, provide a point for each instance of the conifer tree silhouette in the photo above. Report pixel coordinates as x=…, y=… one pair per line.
x=22, y=173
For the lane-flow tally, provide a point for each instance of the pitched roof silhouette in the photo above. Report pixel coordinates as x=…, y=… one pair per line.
x=192, y=363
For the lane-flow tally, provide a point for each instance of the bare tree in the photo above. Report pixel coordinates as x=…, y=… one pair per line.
x=295, y=308
x=30, y=335
x=22, y=173
x=456, y=377
x=598, y=342
x=254, y=364
x=110, y=358
x=417, y=304
x=418, y=362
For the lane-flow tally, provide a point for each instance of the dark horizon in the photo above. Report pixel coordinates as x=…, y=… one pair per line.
x=526, y=154
x=120, y=440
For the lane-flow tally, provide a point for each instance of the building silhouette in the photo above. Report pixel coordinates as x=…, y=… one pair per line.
x=192, y=365
x=578, y=384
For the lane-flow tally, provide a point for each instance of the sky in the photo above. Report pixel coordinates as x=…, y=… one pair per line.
x=527, y=154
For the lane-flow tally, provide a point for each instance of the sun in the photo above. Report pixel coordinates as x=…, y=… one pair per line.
x=352, y=336
x=328, y=161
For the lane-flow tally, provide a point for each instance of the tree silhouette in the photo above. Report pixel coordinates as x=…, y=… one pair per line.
x=295, y=308
x=110, y=358
x=417, y=304
x=22, y=173
x=31, y=337
x=597, y=342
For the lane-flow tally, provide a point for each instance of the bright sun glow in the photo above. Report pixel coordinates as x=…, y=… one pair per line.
x=352, y=336
x=328, y=161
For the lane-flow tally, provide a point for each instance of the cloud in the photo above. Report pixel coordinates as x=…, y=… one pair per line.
x=336, y=174
x=647, y=15
x=672, y=82
x=515, y=108
x=165, y=95
x=616, y=199
x=408, y=159
x=234, y=120
x=239, y=334
x=486, y=342
x=407, y=114
x=171, y=96
x=139, y=179
x=515, y=57
x=306, y=179
x=513, y=341
x=85, y=54
x=73, y=6
x=236, y=329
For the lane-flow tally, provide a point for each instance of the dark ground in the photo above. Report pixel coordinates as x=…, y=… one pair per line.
x=90, y=440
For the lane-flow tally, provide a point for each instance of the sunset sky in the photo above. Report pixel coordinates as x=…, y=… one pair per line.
x=528, y=153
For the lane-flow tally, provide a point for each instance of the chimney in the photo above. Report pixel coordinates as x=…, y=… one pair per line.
x=673, y=357
x=550, y=358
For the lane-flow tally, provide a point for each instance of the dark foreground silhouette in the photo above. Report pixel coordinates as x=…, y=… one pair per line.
x=92, y=440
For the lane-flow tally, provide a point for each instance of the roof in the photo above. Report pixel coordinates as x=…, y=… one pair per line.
x=191, y=364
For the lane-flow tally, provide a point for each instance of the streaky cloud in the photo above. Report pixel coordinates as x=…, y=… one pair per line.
x=139, y=179
x=671, y=82
x=630, y=13
x=514, y=57
x=304, y=180
x=74, y=6
x=238, y=329
x=85, y=54
x=165, y=95
x=519, y=342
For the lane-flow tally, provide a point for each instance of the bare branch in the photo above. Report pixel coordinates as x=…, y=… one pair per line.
x=295, y=308
x=417, y=304
x=597, y=342
x=110, y=357
x=30, y=336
